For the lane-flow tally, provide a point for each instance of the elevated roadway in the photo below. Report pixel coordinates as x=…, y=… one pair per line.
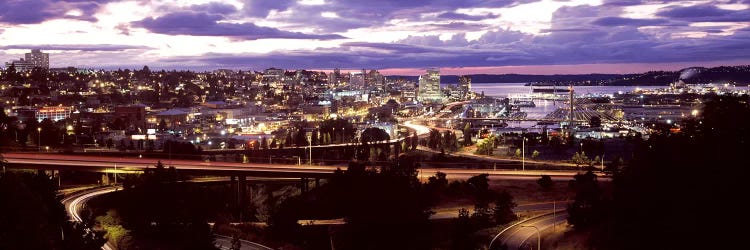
x=109, y=164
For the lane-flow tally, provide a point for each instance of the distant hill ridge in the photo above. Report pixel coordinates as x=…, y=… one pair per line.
x=739, y=75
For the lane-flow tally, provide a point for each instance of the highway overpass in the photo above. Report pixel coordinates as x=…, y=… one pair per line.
x=108, y=164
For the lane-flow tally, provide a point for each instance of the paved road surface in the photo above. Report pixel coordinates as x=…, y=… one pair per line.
x=225, y=243
x=518, y=236
x=73, y=203
x=100, y=163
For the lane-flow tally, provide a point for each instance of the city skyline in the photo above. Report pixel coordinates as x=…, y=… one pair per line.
x=399, y=38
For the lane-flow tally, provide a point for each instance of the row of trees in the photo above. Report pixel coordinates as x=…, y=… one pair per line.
x=388, y=208
x=158, y=210
x=445, y=141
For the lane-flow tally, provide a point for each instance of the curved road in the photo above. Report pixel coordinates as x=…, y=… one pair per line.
x=521, y=234
x=73, y=203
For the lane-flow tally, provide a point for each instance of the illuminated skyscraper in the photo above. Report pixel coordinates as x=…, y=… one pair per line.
x=464, y=85
x=38, y=59
x=429, y=87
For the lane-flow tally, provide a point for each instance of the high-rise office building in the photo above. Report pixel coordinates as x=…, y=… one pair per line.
x=464, y=85
x=357, y=79
x=429, y=87
x=335, y=77
x=38, y=59
x=375, y=79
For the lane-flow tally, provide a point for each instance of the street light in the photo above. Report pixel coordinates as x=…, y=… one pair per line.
x=309, y=140
x=115, y=174
x=538, y=236
x=523, y=153
x=39, y=140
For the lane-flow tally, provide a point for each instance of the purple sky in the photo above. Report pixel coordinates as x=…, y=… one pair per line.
x=396, y=36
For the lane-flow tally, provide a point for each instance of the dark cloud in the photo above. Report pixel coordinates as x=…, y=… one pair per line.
x=453, y=26
x=461, y=16
x=578, y=35
x=457, y=40
x=704, y=13
x=214, y=7
x=202, y=24
x=261, y=8
x=622, y=21
x=37, y=11
x=622, y=2
x=26, y=12
x=367, y=13
x=80, y=47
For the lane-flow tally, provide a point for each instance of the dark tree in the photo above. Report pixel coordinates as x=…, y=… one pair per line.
x=436, y=186
x=545, y=182
x=681, y=184
x=414, y=141
x=176, y=217
x=434, y=139
x=32, y=216
x=263, y=143
x=595, y=121
x=467, y=135
x=503, y=211
x=162, y=125
x=288, y=139
x=584, y=210
x=301, y=138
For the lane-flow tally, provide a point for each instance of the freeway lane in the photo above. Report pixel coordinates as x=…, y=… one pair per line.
x=522, y=234
x=103, y=163
x=225, y=243
x=73, y=202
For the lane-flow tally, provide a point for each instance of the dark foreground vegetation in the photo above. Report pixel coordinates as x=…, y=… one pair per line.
x=158, y=210
x=680, y=191
x=32, y=217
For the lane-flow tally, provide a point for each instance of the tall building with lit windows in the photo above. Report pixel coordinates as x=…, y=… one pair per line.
x=38, y=59
x=429, y=87
x=464, y=85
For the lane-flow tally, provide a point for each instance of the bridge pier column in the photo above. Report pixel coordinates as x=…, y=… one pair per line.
x=58, y=174
x=305, y=184
x=234, y=188
x=242, y=191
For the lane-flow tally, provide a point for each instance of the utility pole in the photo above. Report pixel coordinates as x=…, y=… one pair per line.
x=309, y=140
x=523, y=152
x=115, y=174
x=554, y=215
x=570, y=118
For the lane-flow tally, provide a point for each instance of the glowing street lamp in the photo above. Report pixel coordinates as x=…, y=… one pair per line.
x=39, y=136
